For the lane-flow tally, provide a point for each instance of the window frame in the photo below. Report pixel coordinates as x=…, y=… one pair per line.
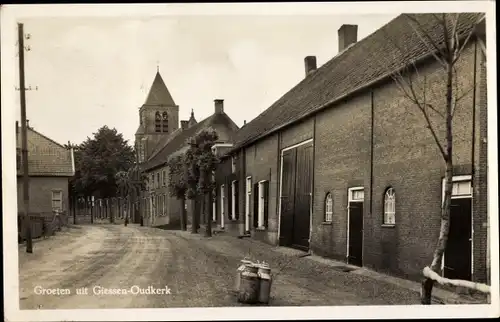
x=261, y=197
x=387, y=213
x=53, y=191
x=328, y=213
x=234, y=199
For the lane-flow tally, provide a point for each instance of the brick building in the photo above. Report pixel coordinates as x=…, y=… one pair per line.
x=50, y=167
x=159, y=137
x=344, y=166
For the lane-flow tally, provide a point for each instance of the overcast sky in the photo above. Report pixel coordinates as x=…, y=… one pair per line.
x=92, y=72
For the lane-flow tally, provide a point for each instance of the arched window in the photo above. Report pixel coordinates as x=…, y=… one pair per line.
x=164, y=122
x=328, y=207
x=157, y=122
x=390, y=207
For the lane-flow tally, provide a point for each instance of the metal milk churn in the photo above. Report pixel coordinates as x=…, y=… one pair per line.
x=264, y=273
x=249, y=285
x=240, y=270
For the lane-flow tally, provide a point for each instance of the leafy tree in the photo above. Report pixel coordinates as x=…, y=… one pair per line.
x=199, y=163
x=177, y=184
x=98, y=160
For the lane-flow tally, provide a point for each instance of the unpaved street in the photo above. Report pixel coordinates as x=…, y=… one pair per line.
x=196, y=271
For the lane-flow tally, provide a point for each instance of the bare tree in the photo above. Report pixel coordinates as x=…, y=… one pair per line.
x=446, y=47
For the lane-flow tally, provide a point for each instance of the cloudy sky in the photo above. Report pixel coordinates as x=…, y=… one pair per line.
x=96, y=71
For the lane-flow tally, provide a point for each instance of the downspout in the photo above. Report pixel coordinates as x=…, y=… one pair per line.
x=311, y=220
x=372, y=116
x=278, y=192
x=371, y=151
x=473, y=154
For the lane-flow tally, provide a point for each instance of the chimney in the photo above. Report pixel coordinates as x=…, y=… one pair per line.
x=244, y=122
x=310, y=63
x=219, y=106
x=348, y=34
x=184, y=125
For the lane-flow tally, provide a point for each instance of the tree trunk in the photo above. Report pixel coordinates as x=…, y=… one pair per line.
x=209, y=214
x=183, y=215
x=427, y=284
x=194, y=224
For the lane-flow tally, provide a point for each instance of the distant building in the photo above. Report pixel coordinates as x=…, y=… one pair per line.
x=50, y=167
x=339, y=166
x=160, y=137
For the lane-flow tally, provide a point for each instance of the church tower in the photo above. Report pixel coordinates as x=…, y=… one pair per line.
x=158, y=117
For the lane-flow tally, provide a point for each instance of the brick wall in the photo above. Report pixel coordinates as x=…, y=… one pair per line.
x=407, y=159
x=40, y=193
x=262, y=164
x=342, y=147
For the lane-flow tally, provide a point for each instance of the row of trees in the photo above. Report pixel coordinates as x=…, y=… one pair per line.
x=191, y=177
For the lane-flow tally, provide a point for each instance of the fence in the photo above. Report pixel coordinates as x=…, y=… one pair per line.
x=113, y=210
x=42, y=224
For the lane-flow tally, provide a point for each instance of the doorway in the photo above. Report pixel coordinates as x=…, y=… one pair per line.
x=457, y=258
x=355, y=226
x=296, y=194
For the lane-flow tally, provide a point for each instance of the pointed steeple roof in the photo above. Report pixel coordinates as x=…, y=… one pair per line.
x=192, y=121
x=159, y=94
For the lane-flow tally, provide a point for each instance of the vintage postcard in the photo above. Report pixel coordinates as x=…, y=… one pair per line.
x=249, y=161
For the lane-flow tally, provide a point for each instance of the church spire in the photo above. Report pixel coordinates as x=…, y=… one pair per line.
x=159, y=94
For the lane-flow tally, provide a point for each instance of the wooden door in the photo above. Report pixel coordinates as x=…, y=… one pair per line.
x=355, y=238
x=458, y=253
x=287, y=197
x=302, y=207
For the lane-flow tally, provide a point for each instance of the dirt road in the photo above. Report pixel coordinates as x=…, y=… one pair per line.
x=182, y=269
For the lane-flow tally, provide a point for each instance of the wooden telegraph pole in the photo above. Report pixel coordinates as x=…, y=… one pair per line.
x=24, y=135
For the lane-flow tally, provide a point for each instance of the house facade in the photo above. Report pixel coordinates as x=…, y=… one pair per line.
x=159, y=138
x=344, y=166
x=50, y=166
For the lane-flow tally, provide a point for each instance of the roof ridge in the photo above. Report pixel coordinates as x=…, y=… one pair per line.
x=47, y=138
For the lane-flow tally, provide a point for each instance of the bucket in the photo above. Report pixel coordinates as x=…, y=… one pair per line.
x=249, y=285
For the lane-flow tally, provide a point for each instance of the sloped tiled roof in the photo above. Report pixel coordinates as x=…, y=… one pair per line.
x=178, y=139
x=45, y=156
x=159, y=94
x=362, y=64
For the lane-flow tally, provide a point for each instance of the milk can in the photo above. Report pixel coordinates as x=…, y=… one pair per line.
x=265, y=278
x=240, y=270
x=249, y=285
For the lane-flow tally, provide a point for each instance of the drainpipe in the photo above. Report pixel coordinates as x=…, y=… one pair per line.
x=311, y=220
x=473, y=153
x=371, y=153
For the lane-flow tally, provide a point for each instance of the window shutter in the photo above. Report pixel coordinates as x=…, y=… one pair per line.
x=237, y=203
x=266, y=203
x=255, y=192
x=215, y=199
x=229, y=200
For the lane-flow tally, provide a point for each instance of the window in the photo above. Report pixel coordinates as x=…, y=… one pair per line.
x=57, y=200
x=233, y=165
x=222, y=200
x=461, y=188
x=390, y=207
x=164, y=176
x=328, y=207
x=262, y=203
x=158, y=180
x=164, y=122
x=157, y=122
x=152, y=182
x=247, y=201
x=234, y=200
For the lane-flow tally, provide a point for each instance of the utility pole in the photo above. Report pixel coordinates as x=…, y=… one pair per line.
x=24, y=135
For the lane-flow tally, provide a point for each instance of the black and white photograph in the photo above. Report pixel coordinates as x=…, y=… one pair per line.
x=249, y=161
